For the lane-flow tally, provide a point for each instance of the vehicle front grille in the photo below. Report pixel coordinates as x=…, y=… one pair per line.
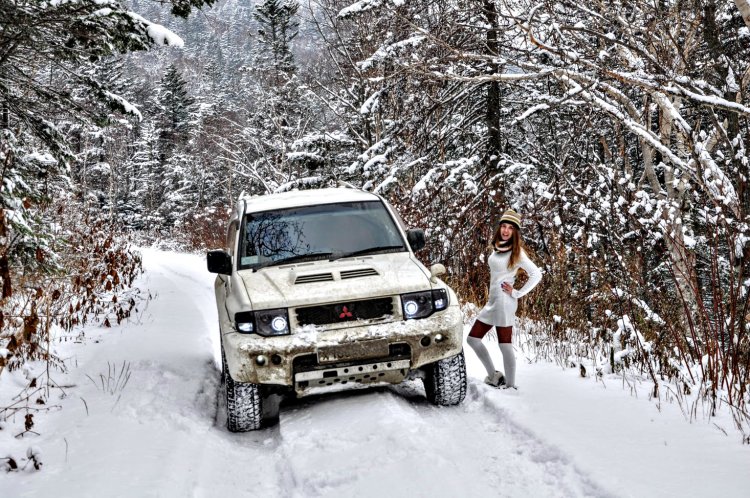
x=344, y=312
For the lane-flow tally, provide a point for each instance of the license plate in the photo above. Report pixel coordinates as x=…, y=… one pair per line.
x=354, y=351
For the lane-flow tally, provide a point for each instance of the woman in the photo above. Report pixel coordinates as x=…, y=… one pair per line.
x=507, y=257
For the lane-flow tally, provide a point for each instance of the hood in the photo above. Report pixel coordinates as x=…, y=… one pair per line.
x=321, y=282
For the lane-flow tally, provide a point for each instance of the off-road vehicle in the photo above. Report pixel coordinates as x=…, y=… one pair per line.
x=319, y=288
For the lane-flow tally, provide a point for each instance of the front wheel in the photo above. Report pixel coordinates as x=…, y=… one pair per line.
x=445, y=381
x=244, y=402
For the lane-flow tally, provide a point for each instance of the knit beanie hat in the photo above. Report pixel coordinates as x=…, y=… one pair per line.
x=510, y=216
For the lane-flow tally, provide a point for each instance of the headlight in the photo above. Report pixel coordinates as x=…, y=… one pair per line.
x=272, y=322
x=424, y=304
x=264, y=322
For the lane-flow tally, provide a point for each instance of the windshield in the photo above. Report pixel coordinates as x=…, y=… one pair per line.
x=318, y=232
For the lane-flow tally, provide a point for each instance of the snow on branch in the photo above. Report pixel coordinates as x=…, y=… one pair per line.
x=715, y=181
x=649, y=314
x=679, y=91
x=459, y=172
x=665, y=104
x=423, y=182
x=390, y=51
x=531, y=110
x=565, y=99
x=391, y=177
x=365, y=6
x=375, y=160
x=626, y=330
x=123, y=104
x=632, y=125
x=371, y=104
x=506, y=77
x=382, y=187
x=158, y=33
x=710, y=100
x=380, y=148
x=299, y=182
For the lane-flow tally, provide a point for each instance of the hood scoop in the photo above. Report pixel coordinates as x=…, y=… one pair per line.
x=313, y=277
x=360, y=272
x=309, y=278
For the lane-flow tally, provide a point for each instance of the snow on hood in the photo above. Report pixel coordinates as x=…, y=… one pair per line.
x=285, y=286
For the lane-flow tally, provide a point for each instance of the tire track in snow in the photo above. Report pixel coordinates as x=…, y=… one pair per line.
x=218, y=463
x=527, y=466
x=167, y=439
x=391, y=441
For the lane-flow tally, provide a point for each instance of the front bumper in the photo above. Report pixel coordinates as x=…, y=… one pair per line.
x=314, y=356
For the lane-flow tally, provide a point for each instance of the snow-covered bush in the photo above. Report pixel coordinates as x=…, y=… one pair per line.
x=84, y=273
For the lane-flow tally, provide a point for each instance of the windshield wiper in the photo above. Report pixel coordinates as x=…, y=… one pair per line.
x=369, y=250
x=297, y=257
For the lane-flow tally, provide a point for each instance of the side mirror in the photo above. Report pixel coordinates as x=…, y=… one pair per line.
x=415, y=236
x=435, y=271
x=219, y=261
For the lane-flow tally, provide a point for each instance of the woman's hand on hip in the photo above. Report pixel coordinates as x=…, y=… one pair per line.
x=507, y=288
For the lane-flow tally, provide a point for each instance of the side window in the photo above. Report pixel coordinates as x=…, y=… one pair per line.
x=231, y=236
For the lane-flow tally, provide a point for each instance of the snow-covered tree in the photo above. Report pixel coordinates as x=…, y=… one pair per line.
x=56, y=98
x=278, y=26
x=172, y=112
x=619, y=128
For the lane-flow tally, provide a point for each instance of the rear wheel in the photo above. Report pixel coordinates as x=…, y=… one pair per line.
x=244, y=402
x=445, y=381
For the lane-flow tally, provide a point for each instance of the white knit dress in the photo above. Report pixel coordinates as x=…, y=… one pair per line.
x=500, y=309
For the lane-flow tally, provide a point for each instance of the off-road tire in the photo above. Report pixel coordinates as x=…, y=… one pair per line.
x=244, y=402
x=445, y=381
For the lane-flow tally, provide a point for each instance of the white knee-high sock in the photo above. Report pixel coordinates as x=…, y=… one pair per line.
x=509, y=363
x=482, y=353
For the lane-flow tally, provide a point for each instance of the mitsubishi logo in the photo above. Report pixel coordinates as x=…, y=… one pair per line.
x=345, y=313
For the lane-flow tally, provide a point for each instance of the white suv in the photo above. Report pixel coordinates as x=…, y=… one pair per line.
x=321, y=288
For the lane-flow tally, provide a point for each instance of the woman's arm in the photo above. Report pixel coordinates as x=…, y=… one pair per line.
x=535, y=276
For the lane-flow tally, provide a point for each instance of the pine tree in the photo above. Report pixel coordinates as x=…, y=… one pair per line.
x=139, y=193
x=278, y=27
x=175, y=107
x=171, y=113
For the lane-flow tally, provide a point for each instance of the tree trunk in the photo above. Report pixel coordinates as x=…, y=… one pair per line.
x=681, y=256
x=494, y=137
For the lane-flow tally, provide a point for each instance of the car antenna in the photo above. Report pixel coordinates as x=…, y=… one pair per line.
x=342, y=183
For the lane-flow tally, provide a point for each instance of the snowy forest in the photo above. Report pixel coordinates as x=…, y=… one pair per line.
x=618, y=129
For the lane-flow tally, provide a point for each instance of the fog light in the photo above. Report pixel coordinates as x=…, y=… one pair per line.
x=260, y=360
x=439, y=338
x=425, y=341
x=276, y=359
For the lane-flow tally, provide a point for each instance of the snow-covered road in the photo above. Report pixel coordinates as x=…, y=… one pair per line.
x=163, y=433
